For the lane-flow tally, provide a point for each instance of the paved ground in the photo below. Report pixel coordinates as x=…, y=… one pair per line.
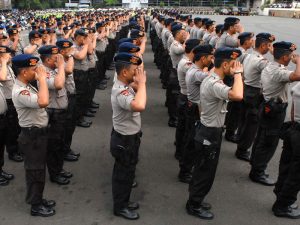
x=87, y=200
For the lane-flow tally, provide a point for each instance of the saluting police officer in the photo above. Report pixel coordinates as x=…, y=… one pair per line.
x=4, y=176
x=128, y=99
x=57, y=111
x=66, y=50
x=288, y=182
x=253, y=64
x=33, y=119
x=274, y=79
x=214, y=95
x=35, y=42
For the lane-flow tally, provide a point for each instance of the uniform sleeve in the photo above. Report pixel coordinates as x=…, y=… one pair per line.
x=231, y=42
x=220, y=90
x=262, y=64
x=28, y=99
x=200, y=76
x=50, y=83
x=124, y=99
x=178, y=49
x=282, y=75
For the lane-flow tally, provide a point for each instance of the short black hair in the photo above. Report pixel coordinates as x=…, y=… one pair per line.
x=243, y=40
x=227, y=26
x=175, y=32
x=121, y=66
x=279, y=52
x=218, y=62
x=260, y=41
x=44, y=57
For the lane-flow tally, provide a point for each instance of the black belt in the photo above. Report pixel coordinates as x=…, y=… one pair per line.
x=139, y=134
x=40, y=130
x=52, y=110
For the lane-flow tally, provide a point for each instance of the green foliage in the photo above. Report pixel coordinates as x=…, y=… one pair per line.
x=111, y=2
x=161, y=4
x=38, y=4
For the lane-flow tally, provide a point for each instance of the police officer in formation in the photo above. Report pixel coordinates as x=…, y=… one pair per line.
x=241, y=81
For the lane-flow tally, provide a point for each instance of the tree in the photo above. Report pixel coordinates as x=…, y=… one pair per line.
x=161, y=4
x=111, y=2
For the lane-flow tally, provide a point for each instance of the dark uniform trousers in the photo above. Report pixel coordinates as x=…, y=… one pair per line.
x=165, y=71
x=55, y=148
x=252, y=100
x=267, y=137
x=180, y=129
x=101, y=68
x=208, y=144
x=188, y=155
x=33, y=144
x=110, y=52
x=288, y=183
x=125, y=150
x=92, y=78
x=3, y=134
x=70, y=124
x=81, y=84
x=158, y=53
x=172, y=94
x=13, y=128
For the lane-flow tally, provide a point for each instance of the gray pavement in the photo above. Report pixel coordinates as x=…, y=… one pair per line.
x=87, y=200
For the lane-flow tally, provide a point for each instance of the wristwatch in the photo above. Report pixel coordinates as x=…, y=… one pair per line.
x=237, y=72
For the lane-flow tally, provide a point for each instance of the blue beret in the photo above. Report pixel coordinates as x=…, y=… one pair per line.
x=64, y=43
x=169, y=21
x=12, y=31
x=227, y=53
x=101, y=24
x=209, y=22
x=191, y=43
x=136, y=34
x=24, y=60
x=5, y=49
x=176, y=27
x=81, y=32
x=59, y=23
x=245, y=35
x=128, y=58
x=128, y=47
x=197, y=19
x=50, y=30
x=266, y=36
x=203, y=50
x=219, y=28
x=125, y=40
x=67, y=28
x=288, y=46
x=2, y=27
x=43, y=31
x=48, y=50
x=34, y=34
x=231, y=20
x=132, y=23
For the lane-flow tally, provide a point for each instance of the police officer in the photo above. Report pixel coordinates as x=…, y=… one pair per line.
x=81, y=76
x=214, y=95
x=219, y=31
x=202, y=58
x=4, y=176
x=15, y=43
x=196, y=27
x=7, y=78
x=183, y=66
x=66, y=50
x=288, y=182
x=35, y=42
x=33, y=119
x=210, y=30
x=176, y=53
x=274, y=79
x=128, y=99
x=253, y=63
x=57, y=111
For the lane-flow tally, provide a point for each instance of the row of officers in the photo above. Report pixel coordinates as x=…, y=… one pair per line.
x=217, y=79
x=45, y=93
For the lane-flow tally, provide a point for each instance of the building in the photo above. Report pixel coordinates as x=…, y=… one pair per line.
x=5, y=5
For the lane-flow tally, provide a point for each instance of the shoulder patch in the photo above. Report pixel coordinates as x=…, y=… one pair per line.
x=125, y=92
x=25, y=92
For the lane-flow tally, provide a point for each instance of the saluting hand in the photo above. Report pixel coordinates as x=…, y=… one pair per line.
x=40, y=73
x=295, y=58
x=237, y=67
x=59, y=61
x=140, y=76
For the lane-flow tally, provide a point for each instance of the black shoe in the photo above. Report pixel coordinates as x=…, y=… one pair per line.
x=95, y=105
x=172, y=123
x=48, y=203
x=133, y=205
x=91, y=110
x=42, y=211
x=127, y=214
x=177, y=156
x=103, y=82
x=66, y=174
x=89, y=114
x=101, y=87
x=6, y=176
x=261, y=179
x=199, y=212
x=294, y=206
x=83, y=124
x=287, y=212
x=16, y=157
x=60, y=180
x=206, y=205
x=134, y=184
x=3, y=181
x=70, y=158
x=74, y=153
x=231, y=138
x=185, y=178
x=106, y=77
x=164, y=86
x=243, y=155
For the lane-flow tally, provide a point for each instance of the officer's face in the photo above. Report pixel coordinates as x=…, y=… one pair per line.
x=6, y=56
x=287, y=59
x=4, y=42
x=208, y=60
x=29, y=73
x=226, y=66
x=51, y=61
x=130, y=73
